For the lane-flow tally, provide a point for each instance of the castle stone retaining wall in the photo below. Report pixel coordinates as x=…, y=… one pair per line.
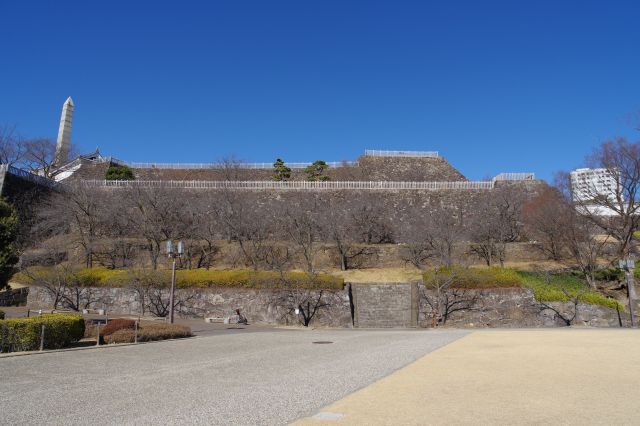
x=375, y=305
x=259, y=306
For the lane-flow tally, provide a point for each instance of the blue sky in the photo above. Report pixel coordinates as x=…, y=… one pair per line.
x=494, y=86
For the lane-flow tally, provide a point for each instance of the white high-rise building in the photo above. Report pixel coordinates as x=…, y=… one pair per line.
x=589, y=183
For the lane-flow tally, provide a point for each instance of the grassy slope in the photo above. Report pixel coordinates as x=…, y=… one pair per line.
x=551, y=291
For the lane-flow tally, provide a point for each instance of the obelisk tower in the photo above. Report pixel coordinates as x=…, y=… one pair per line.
x=64, y=133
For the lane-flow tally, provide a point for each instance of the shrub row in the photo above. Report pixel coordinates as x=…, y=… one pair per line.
x=1, y=315
x=149, y=332
x=23, y=334
x=190, y=278
x=117, y=324
x=473, y=278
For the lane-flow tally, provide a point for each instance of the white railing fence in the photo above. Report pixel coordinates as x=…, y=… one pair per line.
x=515, y=176
x=25, y=174
x=382, y=153
x=238, y=165
x=293, y=165
x=292, y=185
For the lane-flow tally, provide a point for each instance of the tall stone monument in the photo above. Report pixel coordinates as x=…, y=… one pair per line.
x=64, y=133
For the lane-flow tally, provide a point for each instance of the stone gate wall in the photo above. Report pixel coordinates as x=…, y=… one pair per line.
x=385, y=305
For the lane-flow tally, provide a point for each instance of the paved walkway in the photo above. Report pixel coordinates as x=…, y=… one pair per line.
x=558, y=376
x=266, y=378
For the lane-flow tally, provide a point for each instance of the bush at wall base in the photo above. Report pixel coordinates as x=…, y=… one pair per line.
x=23, y=334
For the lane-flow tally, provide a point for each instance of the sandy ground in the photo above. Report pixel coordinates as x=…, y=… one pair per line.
x=568, y=376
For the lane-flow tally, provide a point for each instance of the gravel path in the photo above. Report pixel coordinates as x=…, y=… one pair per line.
x=248, y=379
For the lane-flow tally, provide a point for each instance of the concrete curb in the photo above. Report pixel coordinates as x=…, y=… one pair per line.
x=105, y=346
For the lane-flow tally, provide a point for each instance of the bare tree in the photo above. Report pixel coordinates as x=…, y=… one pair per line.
x=231, y=168
x=207, y=228
x=11, y=145
x=142, y=281
x=156, y=216
x=544, y=221
x=39, y=156
x=346, y=225
x=370, y=222
x=575, y=298
x=621, y=160
x=616, y=209
x=250, y=226
x=159, y=301
x=78, y=296
x=64, y=286
x=302, y=299
x=444, y=299
x=432, y=237
x=78, y=212
x=118, y=245
x=565, y=234
x=497, y=220
x=301, y=226
x=54, y=282
x=583, y=243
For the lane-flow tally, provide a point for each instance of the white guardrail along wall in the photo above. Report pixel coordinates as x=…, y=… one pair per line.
x=239, y=165
x=292, y=185
x=293, y=165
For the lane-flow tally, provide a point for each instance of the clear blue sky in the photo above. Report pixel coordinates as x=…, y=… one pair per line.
x=494, y=86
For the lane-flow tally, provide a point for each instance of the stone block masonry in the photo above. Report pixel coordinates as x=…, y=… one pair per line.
x=389, y=305
x=373, y=305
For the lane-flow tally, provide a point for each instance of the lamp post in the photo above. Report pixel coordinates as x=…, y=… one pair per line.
x=627, y=265
x=173, y=250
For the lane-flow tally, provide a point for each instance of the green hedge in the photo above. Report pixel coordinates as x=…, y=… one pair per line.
x=551, y=290
x=191, y=278
x=474, y=278
x=23, y=334
x=559, y=288
x=119, y=173
x=1, y=315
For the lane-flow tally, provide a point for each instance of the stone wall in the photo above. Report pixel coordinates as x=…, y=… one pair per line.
x=408, y=169
x=363, y=305
x=385, y=305
x=259, y=306
x=369, y=168
x=517, y=307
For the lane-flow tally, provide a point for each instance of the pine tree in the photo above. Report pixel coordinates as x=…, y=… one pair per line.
x=280, y=171
x=315, y=172
x=8, y=235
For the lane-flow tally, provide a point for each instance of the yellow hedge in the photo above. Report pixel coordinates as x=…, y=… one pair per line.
x=189, y=278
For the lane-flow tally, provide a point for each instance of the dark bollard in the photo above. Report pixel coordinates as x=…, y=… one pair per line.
x=42, y=339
